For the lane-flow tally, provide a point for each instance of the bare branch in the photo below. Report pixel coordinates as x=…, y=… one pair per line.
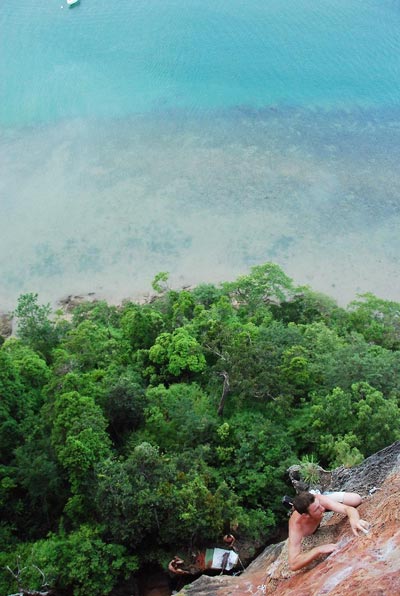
x=225, y=391
x=27, y=592
x=24, y=592
x=12, y=572
x=216, y=352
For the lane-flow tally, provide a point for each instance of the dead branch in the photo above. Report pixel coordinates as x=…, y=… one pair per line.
x=225, y=391
x=43, y=591
x=216, y=352
x=33, y=593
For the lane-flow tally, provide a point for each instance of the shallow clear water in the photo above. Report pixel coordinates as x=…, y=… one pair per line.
x=198, y=138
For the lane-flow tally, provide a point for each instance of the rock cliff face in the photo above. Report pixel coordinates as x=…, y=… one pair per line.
x=365, y=566
x=5, y=325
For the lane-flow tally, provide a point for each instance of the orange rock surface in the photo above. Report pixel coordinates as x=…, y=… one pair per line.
x=365, y=566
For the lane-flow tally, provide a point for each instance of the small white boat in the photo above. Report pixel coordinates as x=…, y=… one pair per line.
x=72, y=2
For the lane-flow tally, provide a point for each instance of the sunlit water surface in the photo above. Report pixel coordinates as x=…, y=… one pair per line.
x=199, y=138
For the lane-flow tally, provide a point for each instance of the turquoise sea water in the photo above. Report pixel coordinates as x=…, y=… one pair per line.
x=198, y=138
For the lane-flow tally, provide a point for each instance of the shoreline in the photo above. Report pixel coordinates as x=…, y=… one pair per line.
x=70, y=300
x=334, y=281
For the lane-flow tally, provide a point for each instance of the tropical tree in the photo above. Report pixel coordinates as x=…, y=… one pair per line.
x=266, y=284
x=141, y=325
x=179, y=416
x=34, y=325
x=377, y=319
x=80, y=440
x=344, y=423
x=175, y=355
x=80, y=563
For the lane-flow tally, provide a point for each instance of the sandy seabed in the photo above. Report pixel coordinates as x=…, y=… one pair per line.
x=103, y=207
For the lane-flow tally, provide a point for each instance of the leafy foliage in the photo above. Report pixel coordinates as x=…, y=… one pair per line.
x=80, y=561
x=177, y=353
x=34, y=325
x=114, y=447
x=378, y=320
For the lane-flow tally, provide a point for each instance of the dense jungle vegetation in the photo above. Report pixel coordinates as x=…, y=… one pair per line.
x=129, y=432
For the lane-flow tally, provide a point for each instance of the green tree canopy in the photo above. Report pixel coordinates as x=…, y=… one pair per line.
x=35, y=327
x=177, y=354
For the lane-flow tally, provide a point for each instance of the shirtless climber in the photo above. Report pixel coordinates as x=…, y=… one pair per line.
x=174, y=566
x=304, y=521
